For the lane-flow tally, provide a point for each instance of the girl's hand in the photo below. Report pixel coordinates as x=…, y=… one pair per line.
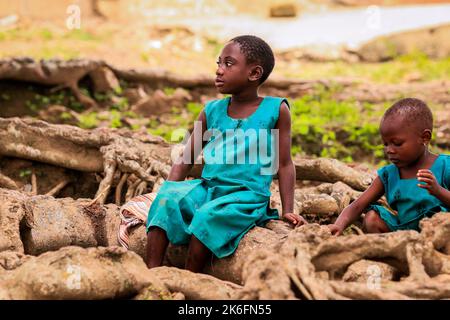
x=335, y=229
x=295, y=219
x=431, y=183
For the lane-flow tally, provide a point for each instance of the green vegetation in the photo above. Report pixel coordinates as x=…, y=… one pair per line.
x=171, y=132
x=62, y=97
x=52, y=43
x=168, y=91
x=345, y=129
x=25, y=173
x=88, y=121
x=416, y=66
x=121, y=104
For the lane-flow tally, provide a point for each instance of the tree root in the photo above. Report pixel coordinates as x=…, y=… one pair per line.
x=277, y=262
x=77, y=273
x=106, y=151
x=313, y=249
x=195, y=286
x=61, y=185
x=331, y=170
x=59, y=73
x=6, y=182
x=368, y=92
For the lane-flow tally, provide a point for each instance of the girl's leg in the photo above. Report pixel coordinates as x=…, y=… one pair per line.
x=374, y=224
x=157, y=243
x=198, y=254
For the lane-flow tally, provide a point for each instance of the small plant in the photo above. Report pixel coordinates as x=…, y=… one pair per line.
x=115, y=121
x=168, y=91
x=88, y=121
x=121, y=104
x=101, y=97
x=25, y=173
x=65, y=116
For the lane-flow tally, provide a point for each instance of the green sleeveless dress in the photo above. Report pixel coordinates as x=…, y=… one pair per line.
x=233, y=194
x=411, y=202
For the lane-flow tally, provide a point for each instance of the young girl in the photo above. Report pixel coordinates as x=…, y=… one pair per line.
x=417, y=182
x=213, y=213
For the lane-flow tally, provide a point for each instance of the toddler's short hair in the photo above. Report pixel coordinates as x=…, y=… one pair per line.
x=414, y=111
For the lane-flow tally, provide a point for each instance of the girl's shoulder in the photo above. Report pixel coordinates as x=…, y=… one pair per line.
x=273, y=105
x=276, y=101
x=215, y=103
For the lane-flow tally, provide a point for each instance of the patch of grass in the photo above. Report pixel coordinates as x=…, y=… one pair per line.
x=416, y=65
x=168, y=91
x=5, y=97
x=324, y=127
x=116, y=121
x=46, y=34
x=25, y=173
x=121, y=104
x=88, y=121
x=82, y=35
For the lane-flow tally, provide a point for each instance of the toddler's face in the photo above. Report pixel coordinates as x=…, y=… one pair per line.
x=232, y=69
x=403, y=144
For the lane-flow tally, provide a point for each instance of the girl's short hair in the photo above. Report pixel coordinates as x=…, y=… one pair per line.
x=256, y=50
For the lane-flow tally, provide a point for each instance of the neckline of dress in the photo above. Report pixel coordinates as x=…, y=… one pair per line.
x=430, y=168
x=242, y=119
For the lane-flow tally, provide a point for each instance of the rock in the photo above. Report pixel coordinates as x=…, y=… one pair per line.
x=180, y=96
x=366, y=271
x=286, y=10
x=159, y=103
x=104, y=80
x=59, y=114
x=152, y=105
x=433, y=42
x=134, y=94
x=10, y=260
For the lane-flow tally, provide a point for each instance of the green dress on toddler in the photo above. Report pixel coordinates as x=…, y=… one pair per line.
x=411, y=202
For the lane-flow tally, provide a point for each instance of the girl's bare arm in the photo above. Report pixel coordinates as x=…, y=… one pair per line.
x=183, y=165
x=286, y=170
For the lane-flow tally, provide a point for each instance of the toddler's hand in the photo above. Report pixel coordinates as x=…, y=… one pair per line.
x=335, y=229
x=295, y=219
x=431, y=183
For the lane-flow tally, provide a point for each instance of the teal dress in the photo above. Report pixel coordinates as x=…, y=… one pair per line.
x=411, y=202
x=233, y=194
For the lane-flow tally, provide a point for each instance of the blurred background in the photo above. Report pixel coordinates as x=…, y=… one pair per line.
x=343, y=62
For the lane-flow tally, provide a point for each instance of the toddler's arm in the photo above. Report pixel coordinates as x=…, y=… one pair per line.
x=433, y=186
x=355, y=209
x=184, y=163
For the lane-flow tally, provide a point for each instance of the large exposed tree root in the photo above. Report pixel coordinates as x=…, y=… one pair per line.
x=111, y=152
x=123, y=156
x=369, y=92
x=331, y=170
x=67, y=74
x=276, y=262
x=310, y=250
x=57, y=73
x=77, y=273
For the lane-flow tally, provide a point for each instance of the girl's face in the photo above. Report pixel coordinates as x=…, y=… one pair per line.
x=232, y=74
x=403, y=143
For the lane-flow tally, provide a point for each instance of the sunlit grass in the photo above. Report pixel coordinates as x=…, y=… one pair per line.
x=416, y=67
